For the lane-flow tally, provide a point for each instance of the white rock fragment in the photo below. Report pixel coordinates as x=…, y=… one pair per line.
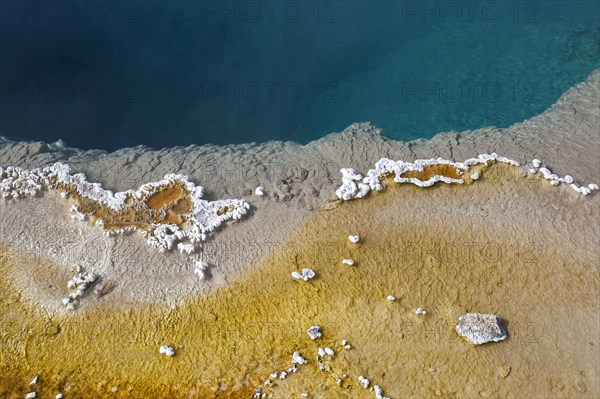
x=306, y=274
x=354, y=239
x=391, y=298
x=364, y=381
x=329, y=351
x=200, y=268
x=379, y=392
x=536, y=163
x=259, y=191
x=348, y=346
x=480, y=328
x=474, y=176
x=166, y=350
x=59, y=396
x=64, y=194
x=593, y=187
x=314, y=332
x=348, y=262
x=282, y=375
x=304, y=395
x=34, y=380
x=421, y=311
x=31, y=395
x=298, y=359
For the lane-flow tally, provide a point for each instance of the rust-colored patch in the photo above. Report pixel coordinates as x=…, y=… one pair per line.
x=169, y=204
x=430, y=171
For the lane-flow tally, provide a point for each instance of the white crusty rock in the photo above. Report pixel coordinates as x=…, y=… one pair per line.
x=298, y=359
x=314, y=332
x=166, y=350
x=31, y=395
x=379, y=392
x=200, y=268
x=306, y=274
x=259, y=191
x=354, y=239
x=364, y=381
x=391, y=298
x=348, y=262
x=421, y=311
x=352, y=187
x=480, y=328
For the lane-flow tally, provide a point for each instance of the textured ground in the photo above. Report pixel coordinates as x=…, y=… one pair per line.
x=508, y=245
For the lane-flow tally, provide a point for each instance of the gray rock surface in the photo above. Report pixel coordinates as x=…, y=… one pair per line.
x=480, y=328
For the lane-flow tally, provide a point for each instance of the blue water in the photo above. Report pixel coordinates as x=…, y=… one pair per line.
x=112, y=74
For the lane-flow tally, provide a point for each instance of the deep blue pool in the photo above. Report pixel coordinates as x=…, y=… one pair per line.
x=109, y=74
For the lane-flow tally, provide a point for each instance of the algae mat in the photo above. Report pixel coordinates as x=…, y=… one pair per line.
x=506, y=245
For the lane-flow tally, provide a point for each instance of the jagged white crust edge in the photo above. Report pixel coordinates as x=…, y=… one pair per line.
x=16, y=182
x=354, y=185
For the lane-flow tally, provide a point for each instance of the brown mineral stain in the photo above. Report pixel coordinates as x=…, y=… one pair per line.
x=448, y=260
x=430, y=171
x=168, y=204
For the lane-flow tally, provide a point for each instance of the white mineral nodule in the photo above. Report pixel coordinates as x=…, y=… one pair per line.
x=349, y=262
x=306, y=274
x=536, y=163
x=480, y=328
x=259, y=191
x=354, y=239
x=421, y=311
x=167, y=350
x=314, y=332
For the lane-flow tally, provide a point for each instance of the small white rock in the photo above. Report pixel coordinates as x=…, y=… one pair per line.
x=391, y=298
x=259, y=191
x=354, y=239
x=536, y=163
x=347, y=346
x=475, y=176
x=364, y=381
x=593, y=187
x=167, y=350
x=298, y=359
x=314, y=332
x=34, y=380
x=31, y=395
x=348, y=262
x=329, y=351
x=59, y=396
x=421, y=311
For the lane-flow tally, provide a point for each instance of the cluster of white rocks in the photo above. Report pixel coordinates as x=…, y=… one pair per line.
x=205, y=217
x=79, y=283
x=166, y=350
x=480, y=328
x=307, y=274
x=354, y=185
x=555, y=180
x=297, y=360
x=17, y=182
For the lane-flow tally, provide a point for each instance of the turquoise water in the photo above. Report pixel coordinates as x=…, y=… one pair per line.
x=114, y=74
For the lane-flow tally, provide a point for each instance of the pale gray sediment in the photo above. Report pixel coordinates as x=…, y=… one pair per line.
x=298, y=180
